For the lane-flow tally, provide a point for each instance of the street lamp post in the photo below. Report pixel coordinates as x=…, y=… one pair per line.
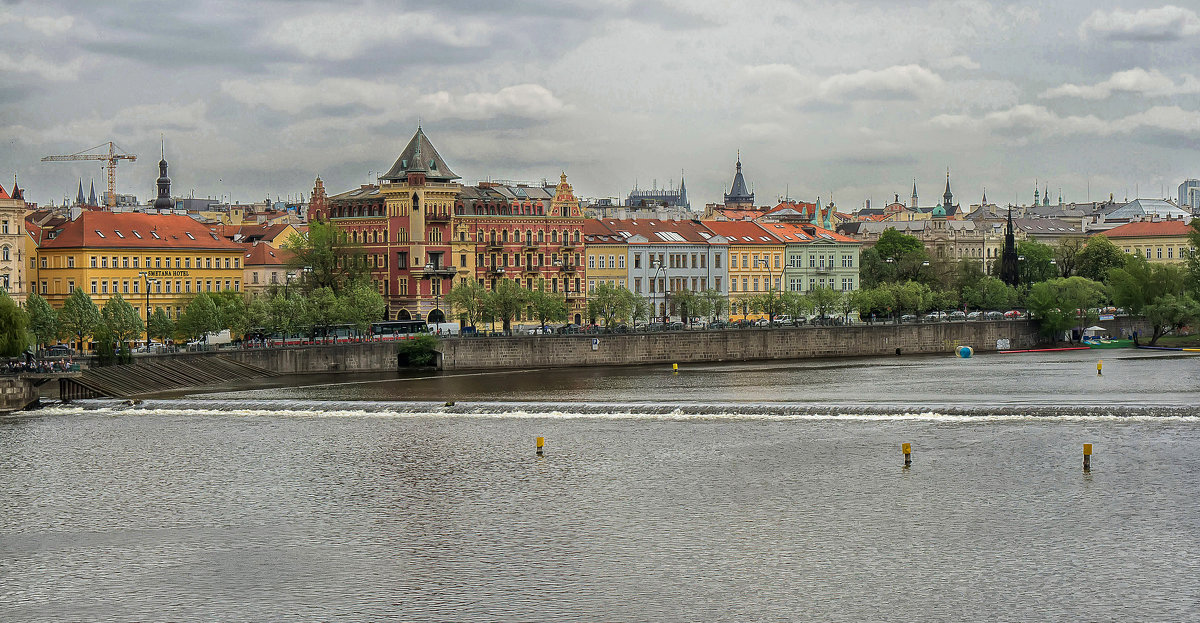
x=770, y=283
x=146, y=278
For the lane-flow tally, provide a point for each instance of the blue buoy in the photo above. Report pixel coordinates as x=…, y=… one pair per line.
x=965, y=352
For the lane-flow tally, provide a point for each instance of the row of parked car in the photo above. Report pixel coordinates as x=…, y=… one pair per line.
x=959, y=315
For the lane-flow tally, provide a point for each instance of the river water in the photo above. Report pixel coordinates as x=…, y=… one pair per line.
x=752, y=492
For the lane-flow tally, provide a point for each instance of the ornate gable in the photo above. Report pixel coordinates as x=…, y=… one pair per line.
x=565, y=204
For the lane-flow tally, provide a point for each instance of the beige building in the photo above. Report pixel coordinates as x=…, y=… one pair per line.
x=13, y=243
x=264, y=267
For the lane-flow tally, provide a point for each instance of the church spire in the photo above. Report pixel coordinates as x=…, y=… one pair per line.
x=948, y=197
x=163, y=201
x=913, y=201
x=79, y=198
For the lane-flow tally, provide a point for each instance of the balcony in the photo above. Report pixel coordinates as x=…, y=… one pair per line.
x=529, y=245
x=568, y=268
x=494, y=245
x=530, y=269
x=568, y=244
x=495, y=270
x=430, y=271
x=437, y=217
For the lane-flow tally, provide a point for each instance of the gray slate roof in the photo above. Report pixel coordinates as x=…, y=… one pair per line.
x=429, y=162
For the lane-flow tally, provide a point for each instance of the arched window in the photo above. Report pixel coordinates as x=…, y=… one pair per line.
x=554, y=236
x=5, y=254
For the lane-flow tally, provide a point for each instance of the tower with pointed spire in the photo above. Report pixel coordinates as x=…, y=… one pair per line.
x=1046, y=196
x=1037, y=194
x=79, y=198
x=92, y=201
x=1008, y=255
x=739, y=196
x=163, y=201
x=912, y=202
x=947, y=197
x=318, y=203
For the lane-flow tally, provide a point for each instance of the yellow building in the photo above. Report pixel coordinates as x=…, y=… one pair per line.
x=105, y=253
x=607, y=256
x=755, y=261
x=1157, y=241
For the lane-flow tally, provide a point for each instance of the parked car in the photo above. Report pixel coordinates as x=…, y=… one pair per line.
x=568, y=328
x=993, y=315
x=674, y=326
x=935, y=316
x=957, y=315
x=1014, y=314
x=59, y=350
x=908, y=318
x=540, y=331
x=718, y=324
x=975, y=315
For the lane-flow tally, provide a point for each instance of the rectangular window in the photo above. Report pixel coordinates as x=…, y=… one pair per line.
x=158, y=262
x=70, y=261
x=812, y=262
x=637, y=260
x=756, y=284
x=637, y=285
x=125, y=287
x=1170, y=251
x=612, y=261
x=717, y=261
x=1159, y=253
x=812, y=283
x=746, y=285
x=733, y=285
x=620, y=261
x=208, y=262
x=601, y=261
x=93, y=261
x=717, y=283
x=104, y=261
x=591, y=285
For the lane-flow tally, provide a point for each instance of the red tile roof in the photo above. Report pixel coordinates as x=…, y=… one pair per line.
x=134, y=230
x=261, y=254
x=1150, y=228
x=661, y=232
x=805, y=233
x=742, y=232
x=4, y=195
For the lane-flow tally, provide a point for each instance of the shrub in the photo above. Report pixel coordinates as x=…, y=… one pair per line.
x=417, y=353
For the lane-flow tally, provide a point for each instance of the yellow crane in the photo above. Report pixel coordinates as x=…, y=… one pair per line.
x=110, y=164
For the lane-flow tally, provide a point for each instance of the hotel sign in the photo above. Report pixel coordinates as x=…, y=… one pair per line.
x=168, y=273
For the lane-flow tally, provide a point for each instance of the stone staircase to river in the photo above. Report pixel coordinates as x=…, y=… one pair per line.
x=152, y=376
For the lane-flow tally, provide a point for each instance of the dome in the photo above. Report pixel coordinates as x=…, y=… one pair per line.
x=939, y=212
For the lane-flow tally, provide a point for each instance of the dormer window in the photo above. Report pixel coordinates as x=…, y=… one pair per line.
x=99, y=233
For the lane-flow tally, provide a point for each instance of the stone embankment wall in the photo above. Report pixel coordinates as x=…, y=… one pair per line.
x=367, y=356
x=16, y=394
x=732, y=345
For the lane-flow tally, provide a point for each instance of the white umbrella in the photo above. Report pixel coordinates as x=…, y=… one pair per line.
x=1094, y=329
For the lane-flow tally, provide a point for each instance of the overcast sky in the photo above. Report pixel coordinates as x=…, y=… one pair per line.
x=849, y=99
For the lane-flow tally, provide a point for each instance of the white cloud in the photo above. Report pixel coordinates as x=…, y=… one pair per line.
x=346, y=34
x=132, y=124
x=48, y=70
x=1161, y=24
x=1027, y=120
x=532, y=101
x=896, y=82
x=48, y=26
x=293, y=97
x=961, y=61
x=1137, y=80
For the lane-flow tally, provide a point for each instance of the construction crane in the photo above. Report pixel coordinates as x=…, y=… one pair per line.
x=110, y=159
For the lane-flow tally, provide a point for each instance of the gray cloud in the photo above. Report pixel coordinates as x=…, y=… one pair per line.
x=263, y=96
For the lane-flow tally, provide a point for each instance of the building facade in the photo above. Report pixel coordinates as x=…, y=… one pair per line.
x=817, y=257
x=13, y=244
x=1157, y=241
x=165, y=260
x=755, y=264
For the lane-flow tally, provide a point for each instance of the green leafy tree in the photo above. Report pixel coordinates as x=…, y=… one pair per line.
x=14, y=327
x=232, y=310
x=873, y=269
x=547, y=307
x=1066, y=253
x=121, y=321
x=324, y=310
x=718, y=304
x=286, y=315
x=505, y=302
x=685, y=303
x=200, y=318
x=607, y=303
x=1170, y=313
x=639, y=308
x=326, y=258
x=161, y=325
x=469, y=301
x=43, y=319
x=1059, y=304
x=990, y=293
x=79, y=315
x=823, y=300
x=1098, y=257
x=363, y=305
x=894, y=244
x=1036, y=265
x=1140, y=283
